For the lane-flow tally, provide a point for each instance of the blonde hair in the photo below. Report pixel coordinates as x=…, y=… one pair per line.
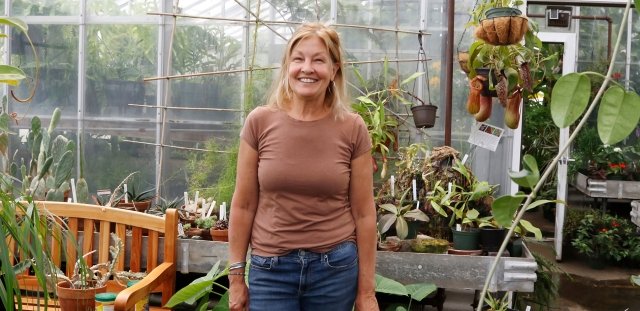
x=336, y=94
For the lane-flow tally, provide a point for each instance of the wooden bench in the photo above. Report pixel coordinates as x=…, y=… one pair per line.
x=98, y=222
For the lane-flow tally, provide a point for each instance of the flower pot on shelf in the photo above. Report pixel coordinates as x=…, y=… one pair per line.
x=491, y=238
x=141, y=206
x=71, y=299
x=466, y=239
x=221, y=235
x=502, y=26
x=424, y=116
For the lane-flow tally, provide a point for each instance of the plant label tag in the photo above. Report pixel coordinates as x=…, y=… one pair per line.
x=180, y=229
x=486, y=136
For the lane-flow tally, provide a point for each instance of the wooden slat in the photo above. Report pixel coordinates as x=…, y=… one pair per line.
x=135, y=258
x=12, y=246
x=55, y=246
x=122, y=234
x=87, y=242
x=71, y=242
x=103, y=241
x=152, y=250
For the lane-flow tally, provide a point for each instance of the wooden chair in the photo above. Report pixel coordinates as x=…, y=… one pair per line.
x=142, y=252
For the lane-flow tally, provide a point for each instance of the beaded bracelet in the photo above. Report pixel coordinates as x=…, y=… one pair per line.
x=236, y=273
x=238, y=265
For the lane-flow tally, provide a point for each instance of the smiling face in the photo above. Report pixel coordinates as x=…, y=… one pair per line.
x=310, y=70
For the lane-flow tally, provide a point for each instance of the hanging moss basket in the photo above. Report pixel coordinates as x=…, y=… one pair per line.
x=502, y=26
x=424, y=116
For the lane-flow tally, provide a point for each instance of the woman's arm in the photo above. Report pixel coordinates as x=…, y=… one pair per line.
x=243, y=211
x=364, y=214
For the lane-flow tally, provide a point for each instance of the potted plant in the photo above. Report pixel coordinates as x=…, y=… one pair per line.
x=401, y=215
x=77, y=292
x=466, y=201
x=220, y=230
x=138, y=200
x=203, y=224
x=374, y=106
x=499, y=22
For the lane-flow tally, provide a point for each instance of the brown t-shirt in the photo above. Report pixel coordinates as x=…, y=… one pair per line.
x=304, y=168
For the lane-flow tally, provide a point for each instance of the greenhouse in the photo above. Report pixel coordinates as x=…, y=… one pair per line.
x=140, y=123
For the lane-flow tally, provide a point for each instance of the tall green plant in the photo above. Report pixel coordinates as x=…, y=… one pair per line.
x=618, y=115
x=22, y=224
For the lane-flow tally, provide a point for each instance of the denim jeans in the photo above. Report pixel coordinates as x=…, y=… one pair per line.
x=304, y=280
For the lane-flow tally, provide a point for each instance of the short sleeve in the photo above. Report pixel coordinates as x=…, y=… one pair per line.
x=249, y=130
x=361, y=138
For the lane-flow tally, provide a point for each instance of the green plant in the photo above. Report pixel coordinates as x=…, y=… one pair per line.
x=497, y=304
x=48, y=173
x=206, y=222
x=603, y=237
x=133, y=195
x=374, y=106
x=399, y=215
x=414, y=292
x=197, y=292
x=27, y=228
x=186, y=226
x=545, y=289
x=221, y=224
x=618, y=115
x=85, y=277
x=464, y=201
x=163, y=204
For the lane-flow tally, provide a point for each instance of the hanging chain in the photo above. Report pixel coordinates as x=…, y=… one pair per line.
x=422, y=59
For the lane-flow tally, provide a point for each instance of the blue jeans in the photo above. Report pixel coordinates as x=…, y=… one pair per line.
x=304, y=280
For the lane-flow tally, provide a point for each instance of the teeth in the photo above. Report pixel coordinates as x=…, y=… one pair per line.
x=307, y=80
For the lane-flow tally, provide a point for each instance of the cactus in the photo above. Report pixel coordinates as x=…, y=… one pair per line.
x=51, y=165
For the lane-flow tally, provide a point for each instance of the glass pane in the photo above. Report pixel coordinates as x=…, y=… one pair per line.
x=110, y=156
x=57, y=84
x=119, y=57
x=122, y=7
x=45, y=7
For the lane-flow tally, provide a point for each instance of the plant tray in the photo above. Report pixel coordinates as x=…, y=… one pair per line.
x=604, y=188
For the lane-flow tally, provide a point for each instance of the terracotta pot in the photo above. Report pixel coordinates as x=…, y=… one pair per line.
x=219, y=235
x=138, y=206
x=77, y=299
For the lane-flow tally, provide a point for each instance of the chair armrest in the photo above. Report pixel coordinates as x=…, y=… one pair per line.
x=128, y=297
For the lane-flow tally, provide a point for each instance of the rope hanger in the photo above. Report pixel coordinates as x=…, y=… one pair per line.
x=422, y=59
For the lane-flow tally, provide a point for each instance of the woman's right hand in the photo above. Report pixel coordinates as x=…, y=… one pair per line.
x=238, y=293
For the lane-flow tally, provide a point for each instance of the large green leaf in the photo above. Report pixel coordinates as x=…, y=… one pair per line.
x=569, y=98
x=635, y=279
x=531, y=228
x=421, y=290
x=618, y=115
x=637, y=5
x=223, y=303
x=389, y=286
x=14, y=22
x=505, y=207
x=417, y=215
x=190, y=293
x=402, y=228
x=411, y=78
x=386, y=221
x=528, y=177
x=11, y=75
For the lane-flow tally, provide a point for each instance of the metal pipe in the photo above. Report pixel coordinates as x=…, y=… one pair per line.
x=448, y=94
x=588, y=17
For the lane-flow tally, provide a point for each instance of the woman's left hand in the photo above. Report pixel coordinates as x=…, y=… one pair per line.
x=367, y=302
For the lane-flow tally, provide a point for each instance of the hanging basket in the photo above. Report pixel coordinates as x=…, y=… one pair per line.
x=424, y=116
x=503, y=26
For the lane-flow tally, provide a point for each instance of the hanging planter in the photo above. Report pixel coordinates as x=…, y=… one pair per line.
x=502, y=26
x=424, y=116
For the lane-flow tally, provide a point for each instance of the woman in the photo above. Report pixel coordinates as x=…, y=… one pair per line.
x=304, y=190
